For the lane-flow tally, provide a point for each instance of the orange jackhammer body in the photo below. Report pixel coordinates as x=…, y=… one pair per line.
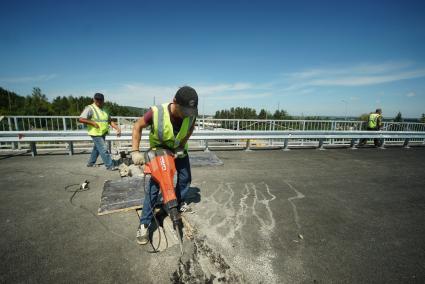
x=159, y=163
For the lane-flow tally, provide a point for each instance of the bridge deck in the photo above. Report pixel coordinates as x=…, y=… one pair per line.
x=332, y=216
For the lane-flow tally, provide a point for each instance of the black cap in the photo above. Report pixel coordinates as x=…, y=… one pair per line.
x=187, y=98
x=99, y=96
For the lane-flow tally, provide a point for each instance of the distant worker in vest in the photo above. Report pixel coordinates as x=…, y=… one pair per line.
x=98, y=120
x=171, y=126
x=374, y=123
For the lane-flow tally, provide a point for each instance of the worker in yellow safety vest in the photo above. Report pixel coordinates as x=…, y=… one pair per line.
x=171, y=126
x=374, y=123
x=98, y=120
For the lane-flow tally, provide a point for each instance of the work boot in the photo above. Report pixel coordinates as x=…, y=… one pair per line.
x=142, y=235
x=113, y=168
x=185, y=208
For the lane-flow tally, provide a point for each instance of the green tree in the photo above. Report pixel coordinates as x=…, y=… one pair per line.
x=264, y=114
x=423, y=118
x=61, y=106
x=398, y=117
x=280, y=114
x=37, y=103
x=11, y=103
x=364, y=117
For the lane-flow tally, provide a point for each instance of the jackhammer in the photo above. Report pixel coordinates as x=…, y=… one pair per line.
x=159, y=163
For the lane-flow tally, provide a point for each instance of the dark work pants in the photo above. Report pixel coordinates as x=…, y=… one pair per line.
x=376, y=141
x=184, y=178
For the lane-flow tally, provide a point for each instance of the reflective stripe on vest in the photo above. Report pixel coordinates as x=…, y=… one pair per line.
x=373, y=120
x=101, y=117
x=162, y=134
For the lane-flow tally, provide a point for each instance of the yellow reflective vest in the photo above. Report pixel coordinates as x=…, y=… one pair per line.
x=101, y=117
x=373, y=120
x=162, y=134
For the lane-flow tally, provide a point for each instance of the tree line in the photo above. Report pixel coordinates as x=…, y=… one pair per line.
x=250, y=113
x=38, y=104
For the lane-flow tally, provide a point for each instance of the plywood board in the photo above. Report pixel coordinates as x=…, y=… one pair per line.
x=128, y=193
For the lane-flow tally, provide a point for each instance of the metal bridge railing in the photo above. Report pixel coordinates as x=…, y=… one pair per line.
x=204, y=139
x=67, y=123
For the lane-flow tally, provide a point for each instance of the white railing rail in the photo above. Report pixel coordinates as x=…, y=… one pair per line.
x=205, y=139
x=68, y=123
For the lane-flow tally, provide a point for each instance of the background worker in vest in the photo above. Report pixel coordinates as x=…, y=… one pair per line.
x=98, y=120
x=374, y=123
x=177, y=120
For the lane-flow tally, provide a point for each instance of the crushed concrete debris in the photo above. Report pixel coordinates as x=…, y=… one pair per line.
x=204, y=265
x=130, y=171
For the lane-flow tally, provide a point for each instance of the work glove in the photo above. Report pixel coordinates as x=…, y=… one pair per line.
x=179, y=153
x=138, y=158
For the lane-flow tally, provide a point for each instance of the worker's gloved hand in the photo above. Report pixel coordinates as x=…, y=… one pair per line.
x=179, y=153
x=138, y=158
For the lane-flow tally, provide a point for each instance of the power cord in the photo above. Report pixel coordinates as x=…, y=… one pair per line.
x=155, y=250
x=76, y=188
x=81, y=187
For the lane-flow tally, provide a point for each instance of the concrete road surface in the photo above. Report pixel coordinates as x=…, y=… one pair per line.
x=303, y=216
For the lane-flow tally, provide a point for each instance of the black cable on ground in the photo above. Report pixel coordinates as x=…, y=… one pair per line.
x=81, y=188
x=155, y=250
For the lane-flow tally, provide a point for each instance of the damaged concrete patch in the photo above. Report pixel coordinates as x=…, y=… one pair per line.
x=204, y=265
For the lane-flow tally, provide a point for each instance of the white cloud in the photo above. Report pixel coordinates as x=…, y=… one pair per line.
x=411, y=94
x=28, y=79
x=221, y=88
x=241, y=96
x=141, y=94
x=352, y=76
x=358, y=80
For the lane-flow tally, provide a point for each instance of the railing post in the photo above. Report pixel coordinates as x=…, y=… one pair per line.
x=110, y=147
x=333, y=126
x=286, y=145
x=271, y=129
x=206, y=146
x=33, y=149
x=14, y=144
x=353, y=144
x=382, y=144
x=9, y=122
x=237, y=126
x=16, y=123
x=321, y=144
x=15, y=120
x=64, y=123
x=248, y=145
x=71, y=148
x=406, y=143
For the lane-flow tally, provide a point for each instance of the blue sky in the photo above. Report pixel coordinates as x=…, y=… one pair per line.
x=307, y=57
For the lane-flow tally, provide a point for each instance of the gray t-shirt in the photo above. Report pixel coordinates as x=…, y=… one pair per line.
x=88, y=113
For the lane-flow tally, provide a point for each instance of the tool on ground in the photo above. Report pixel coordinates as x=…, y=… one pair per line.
x=159, y=163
